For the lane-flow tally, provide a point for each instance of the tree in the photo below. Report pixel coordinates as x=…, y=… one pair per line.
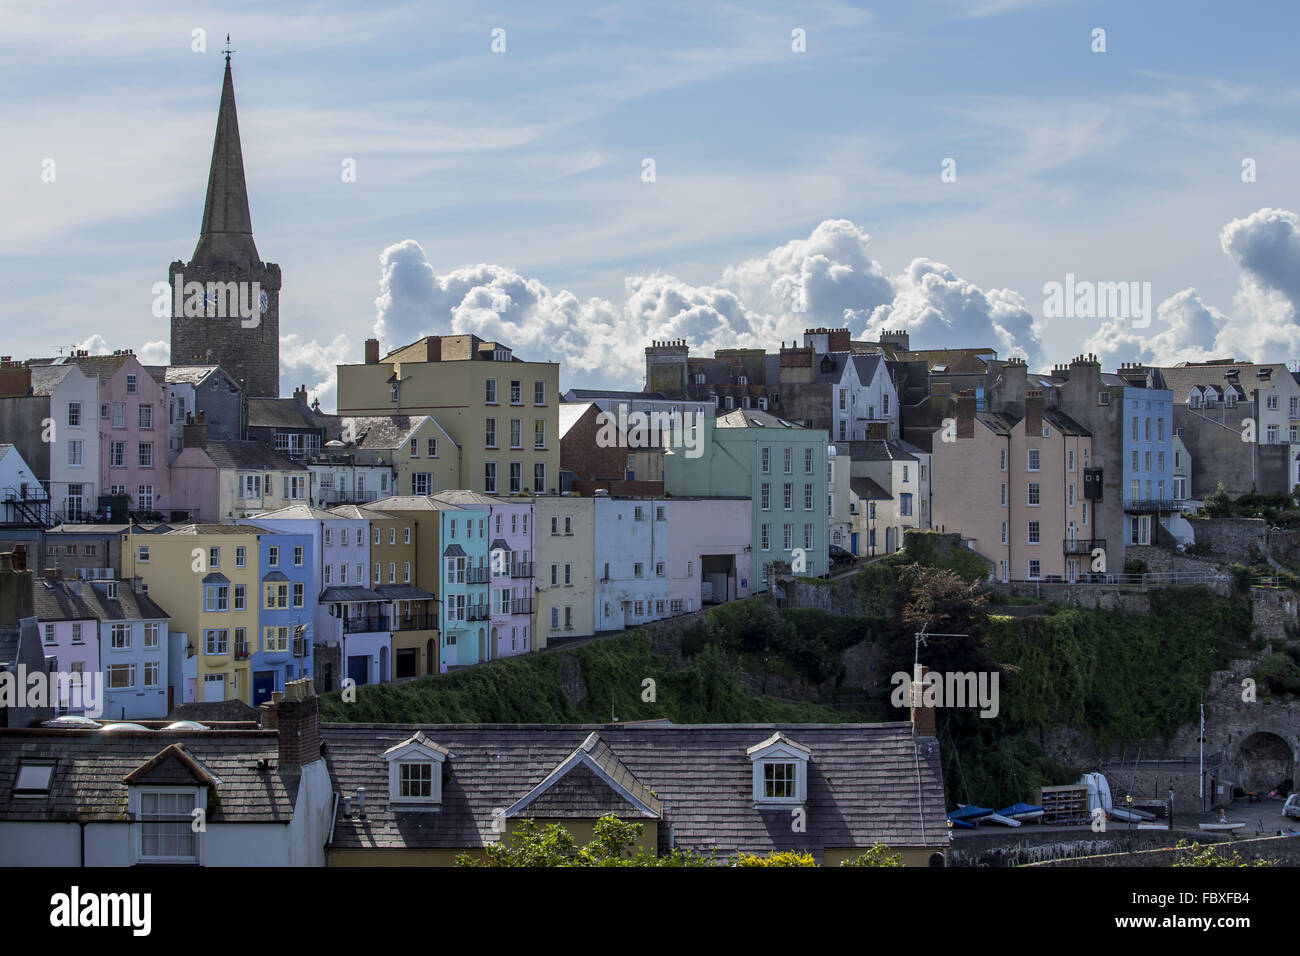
x=878, y=855
x=1218, y=504
x=1196, y=854
x=788, y=858
x=612, y=844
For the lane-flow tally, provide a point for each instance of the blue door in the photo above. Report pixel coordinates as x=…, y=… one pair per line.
x=357, y=668
x=263, y=685
x=853, y=542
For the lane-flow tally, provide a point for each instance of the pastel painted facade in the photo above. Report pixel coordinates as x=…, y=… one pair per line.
x=1182, y=473
x=200, y=389
x=465, y=608
x=839, y=517
x=423, y=457
x=781, y=467
x=511, y=570
x=1013, y=486
x=132, y=417
x=709, y=558
x=903, y=472
x=1148, y=457
x=282, y=650
x=208, y=578
x=23, y=498
x=74, y=451
x=221, y=481
x=338, y=478
x=134, y=635
x=565, y=535
x=632, y=557
x=502, y=412
x=69, y=630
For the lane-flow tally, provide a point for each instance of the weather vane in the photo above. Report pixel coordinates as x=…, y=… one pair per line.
x=227, y=50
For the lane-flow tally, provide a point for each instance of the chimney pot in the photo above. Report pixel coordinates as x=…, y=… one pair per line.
x=361, y=802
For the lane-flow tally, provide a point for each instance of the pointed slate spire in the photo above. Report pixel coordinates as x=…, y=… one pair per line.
x=227, y=234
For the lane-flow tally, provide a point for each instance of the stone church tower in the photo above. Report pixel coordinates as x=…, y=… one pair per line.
x=237, y=325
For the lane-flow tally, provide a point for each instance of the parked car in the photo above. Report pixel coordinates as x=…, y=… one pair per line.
x=1292, y=806
x=840, y=556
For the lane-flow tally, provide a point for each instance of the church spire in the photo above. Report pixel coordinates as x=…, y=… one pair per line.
x=227, y=234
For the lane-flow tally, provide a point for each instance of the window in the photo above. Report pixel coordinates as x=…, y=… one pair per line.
x=250, y=486
x=516, y=433
x=766, y=531
x=904, y=504
x=117, y=414
x=905, y=477
x=1271, y=435
x=415, y=448
x=49, y=634
x=120, y=676
x=787, y=537
x=273, y=556
x=216, y=641
x=295, y=486
x=1034, y=496
x=1035, y=569
x=76, y=633
x=1070, y=458
x=778, y=781
x=117, y=454
x=146, y=416
x=1271, y=404
x=516, y=393
x=33, y=777
x=240, y=596
x=166, y=831
x=1033, y=459
x=406, y=572
x=216, y=597
x=490, y=391
x=214, y=558
x=807, y=536
x=74, y=455
x=539, y=433
x=130, y=385
x=539, y=393
x=807, y=497
x=144, y=498
x=539, y=477
x=490, y=436
x=788, y=458
x=765, y=457
x=1033, y=537
x=1002, y=459
x=1004, y=494
x=1071, y=495
x=74, y=414
x=1004, y=532
x=787, y=497
x=660, y=569
x=490, y=477
x=146, y=454
x=299, y=595
x=807, y=461
x=568, y=575
x=421, y=483
x=241, y=557
x=765, y=496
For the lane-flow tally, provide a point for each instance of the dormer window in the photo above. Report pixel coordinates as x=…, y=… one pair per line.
x=415, y=772
x=34, y=778
x=780, y=771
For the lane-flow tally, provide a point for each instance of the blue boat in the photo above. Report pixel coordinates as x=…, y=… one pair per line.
x=965, y=816
x=1024, y=812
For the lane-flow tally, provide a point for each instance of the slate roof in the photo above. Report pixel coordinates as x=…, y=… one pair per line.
x=412, y=503
x=130, y=605
x=878, y=449
x=571, y=413
x=1181, y=379
x=46, y=378
x=753, y=418
x=108, y=530
x=346, y=594
x=464, y=499
x=249, y=456
x=57, y=601
x=9, y=643
x=862, y=783
x=218, y=529
x=866, y=366
x=382, y=431
x=299, y=511
x=90, y=768
x=403, y=592
x=587, y=394
x=868, y=490
x=280, y=413
x=353, y=511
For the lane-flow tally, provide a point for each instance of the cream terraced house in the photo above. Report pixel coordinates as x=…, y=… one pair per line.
x=501, y=411
x=564, y=549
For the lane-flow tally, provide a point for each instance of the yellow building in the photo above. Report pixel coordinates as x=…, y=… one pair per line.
x=564, y=535
x=425, y=459
x=206, y=576
x=502, y=412
x=393, y=553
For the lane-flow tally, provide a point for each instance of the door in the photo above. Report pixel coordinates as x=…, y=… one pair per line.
x=853, y=542
x=482, y=645
x=214, y=686
x=357, y=666
x=263, y=685
x=428, y=656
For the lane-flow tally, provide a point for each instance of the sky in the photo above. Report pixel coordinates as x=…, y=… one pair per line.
x=612, y=174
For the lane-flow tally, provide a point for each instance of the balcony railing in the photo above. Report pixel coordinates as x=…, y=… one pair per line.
x=300, y=647
x=421, y=621
x=366, y=623
x=340, y=497
x=521, y=569
x=519, y=605
x=476, y=575
x=477, y=612
x=1083, y=545
x=241, y=652
x=1153, y=504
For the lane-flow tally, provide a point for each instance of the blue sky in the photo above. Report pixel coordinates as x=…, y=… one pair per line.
x=523, y=170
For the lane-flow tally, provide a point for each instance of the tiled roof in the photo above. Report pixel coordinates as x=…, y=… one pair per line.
x=249, y=456
x=862, y=783
x=280, y=413
x=413, y=503
x=753, y=418
x=868, y=490
x=347, y=594
x=587, y=394
x=8, y=643
x=299, y=512
x=46, y=378
x=381, y=431
x=465, y=498
x=130, y=605
x=878, y=449
x=91, y=768
x=57, y=601
x=219, y=529
x=354, y=511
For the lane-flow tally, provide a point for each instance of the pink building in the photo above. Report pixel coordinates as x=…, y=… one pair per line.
x=69, y=631
x=133, y=432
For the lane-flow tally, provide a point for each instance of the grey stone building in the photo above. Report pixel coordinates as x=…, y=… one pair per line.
x=239, y=328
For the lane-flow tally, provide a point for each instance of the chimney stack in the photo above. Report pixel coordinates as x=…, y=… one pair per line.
x=966, y=413
x=17, y=601
x=372, y=351
x=195, y=432
x=923, y=718
x=1033, y=412
x=297, y=719
x=300, y=395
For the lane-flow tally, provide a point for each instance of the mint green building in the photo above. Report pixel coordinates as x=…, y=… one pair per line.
x=782, y=467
